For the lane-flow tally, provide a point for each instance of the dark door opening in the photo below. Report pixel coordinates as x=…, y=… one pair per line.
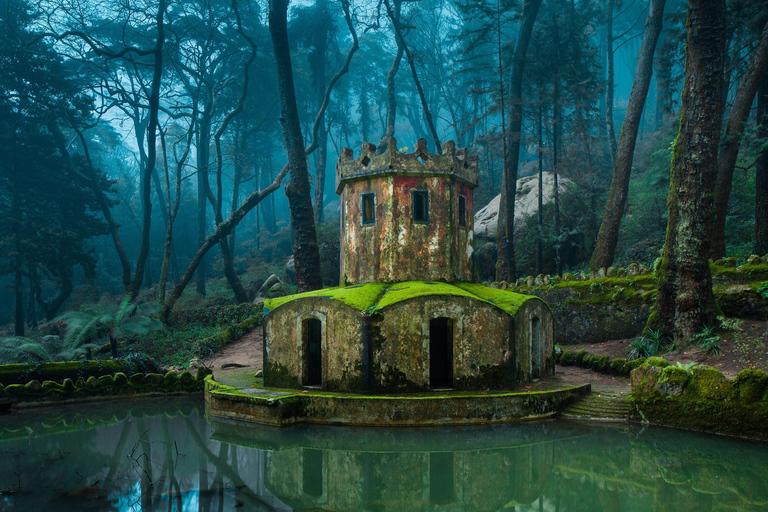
x=312, y=472
x=535, y=348
x=441, y=477
x=440, y=353
x=314, y=353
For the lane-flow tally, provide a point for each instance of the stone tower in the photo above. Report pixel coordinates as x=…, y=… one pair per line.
x=406, y=216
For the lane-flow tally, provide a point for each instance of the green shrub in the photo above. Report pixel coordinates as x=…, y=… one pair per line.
x=618, y=367
x=601, y=363
x=580, y=357
x=568, y=358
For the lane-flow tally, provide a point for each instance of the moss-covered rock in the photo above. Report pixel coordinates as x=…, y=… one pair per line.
x=710, y=384
x=568, y=358
x=658, y=362
x=137, y=379
x=92, y=383
x=171, y=379
x=69, y=386
x=618, y=367
x=186, y=379
x=673, y=380
x=120, y=379
x=50, y=386
x=154, y=380
x=106, y=381
x=34, y=386
x=750, y=385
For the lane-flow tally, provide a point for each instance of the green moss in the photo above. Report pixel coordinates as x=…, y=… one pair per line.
x=106, y=381
x=92, y=383
x=618, y=367
x=16, y=390
x=373, y=297
x=579, y=358
x=750, y=385
x=675, y=375
x=57, y=372
x=154, y=380
x=710, y=383
x=658, y=362
x=120, y=379
x=170, y=379
x=506, y=300
x=69, y=386
x=489, y=377
x=568, y=358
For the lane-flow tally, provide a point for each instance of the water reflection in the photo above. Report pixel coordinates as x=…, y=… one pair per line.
x=163, y=455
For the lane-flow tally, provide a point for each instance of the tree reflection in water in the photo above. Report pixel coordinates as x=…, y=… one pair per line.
x=163, y=455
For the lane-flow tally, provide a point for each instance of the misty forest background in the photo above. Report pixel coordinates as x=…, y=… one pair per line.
x=166, y=155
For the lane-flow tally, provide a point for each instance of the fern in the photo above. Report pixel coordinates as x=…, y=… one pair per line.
x=17, y=349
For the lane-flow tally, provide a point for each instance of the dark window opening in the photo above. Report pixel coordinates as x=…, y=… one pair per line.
x=420, y=206
x=535, y=348
x=440, y=353
x=312, y=472
x=369, y=212
x=313, y=333
x=462, y=211
x=441, y=477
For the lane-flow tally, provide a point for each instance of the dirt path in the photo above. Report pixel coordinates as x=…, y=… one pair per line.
x=245, y=352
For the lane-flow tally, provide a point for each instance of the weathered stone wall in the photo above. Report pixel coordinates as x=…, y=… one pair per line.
x=531, y=311
x=395, y=247
x=342, y=351
x=395, y=481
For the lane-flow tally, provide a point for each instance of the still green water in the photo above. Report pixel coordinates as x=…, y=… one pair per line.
x=163, y=455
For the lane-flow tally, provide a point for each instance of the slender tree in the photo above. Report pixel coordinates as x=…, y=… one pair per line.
x=729, y=147
x=761, y=170
x=685, y=302
x=505, y=267
x=608, y=237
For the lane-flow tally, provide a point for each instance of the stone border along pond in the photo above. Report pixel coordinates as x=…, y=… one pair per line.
x=700, y=398
x=291, y=407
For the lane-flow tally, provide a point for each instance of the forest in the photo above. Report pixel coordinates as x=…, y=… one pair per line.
x=171, y=156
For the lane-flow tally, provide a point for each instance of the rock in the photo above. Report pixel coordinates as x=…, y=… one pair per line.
x=290, y=271
x=600, y=272
x=764, y=259
x=632, y=270
x=567, y=276
x=529, y=281
x=753, y=260
x=611, y=272
x=526, y=202
x=546, y=280
x=269, y=283
x=538, y=280
x=643, y=269
x=259, y=374
x=195, y=362
x=278, y=290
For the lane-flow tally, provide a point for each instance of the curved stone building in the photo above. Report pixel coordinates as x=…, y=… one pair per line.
x=407, y=316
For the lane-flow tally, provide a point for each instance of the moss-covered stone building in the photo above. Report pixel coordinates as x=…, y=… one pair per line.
x=406, y=318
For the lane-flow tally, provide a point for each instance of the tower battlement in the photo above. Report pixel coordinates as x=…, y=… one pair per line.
x=457, y=163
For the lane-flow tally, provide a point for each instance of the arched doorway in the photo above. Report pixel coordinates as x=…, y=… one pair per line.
x=313, y=372
x=441, y=353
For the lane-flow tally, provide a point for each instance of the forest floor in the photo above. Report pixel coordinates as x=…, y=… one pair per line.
x=744, y=346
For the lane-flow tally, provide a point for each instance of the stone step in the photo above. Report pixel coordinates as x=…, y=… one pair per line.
x=598, y=406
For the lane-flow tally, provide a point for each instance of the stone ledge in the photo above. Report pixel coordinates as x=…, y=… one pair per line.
x=440, y=409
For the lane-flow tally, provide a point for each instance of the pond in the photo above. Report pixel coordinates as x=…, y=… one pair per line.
x=163, y=454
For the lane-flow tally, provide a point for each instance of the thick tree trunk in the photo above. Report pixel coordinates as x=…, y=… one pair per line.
x=540, y=211
x=322, y=162
x=556, y=119
x=305, y=249
x=31, y=306
x=609, y=78
x=685, y=303
x=761, y=171
x=729, y=148
x=505, y=233
x=608, y=237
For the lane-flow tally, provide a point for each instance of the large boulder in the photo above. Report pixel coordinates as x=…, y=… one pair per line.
x=526, y=202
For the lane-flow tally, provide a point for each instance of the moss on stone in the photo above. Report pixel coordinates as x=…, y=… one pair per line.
x=488, y=377
x=373, y=297
x=120, y=379
x=709, y=383
x=658, y=362
x=568, y=358
x=750, y=385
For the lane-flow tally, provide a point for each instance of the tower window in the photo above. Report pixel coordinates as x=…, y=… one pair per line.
x=420, y=206
x=462, y=211
x=369, y=212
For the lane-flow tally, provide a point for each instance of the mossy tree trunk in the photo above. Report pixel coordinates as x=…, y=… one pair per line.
x=306, y=253
x=505, y=244
x=761, y=171
x=608, y=237
x=729, y=151
x=685, y=302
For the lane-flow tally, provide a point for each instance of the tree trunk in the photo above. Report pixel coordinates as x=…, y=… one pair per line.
x=18, y=289
x=540, y=212
x=608, y=237
x=729, y=148
x=305, y=249
x=203, y=160
x=146, y=192
x=221, y=232
x=609, y=81
x=685, y=302
x=505, y=233
x=31, y=307
x=322, y=160
x=556, y=115
x=761, y=171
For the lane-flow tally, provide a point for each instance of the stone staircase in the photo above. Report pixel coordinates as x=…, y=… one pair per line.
x=599, y=405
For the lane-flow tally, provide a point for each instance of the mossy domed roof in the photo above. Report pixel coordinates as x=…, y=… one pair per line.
x=373, y=297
